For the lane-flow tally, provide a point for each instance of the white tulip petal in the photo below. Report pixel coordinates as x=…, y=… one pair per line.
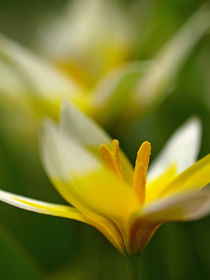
x=168, y=62
x=41, y=207
x=182, y=149
x=38, y=75
x=59, y=211
x=63, y=156
x=187, y=206
x=78, y=126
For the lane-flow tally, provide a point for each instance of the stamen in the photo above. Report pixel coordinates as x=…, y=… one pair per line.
x=116, y=154
x=111, y=158
x=107, y=157
x=140, y=171
x=139, y=181
x=143, y=154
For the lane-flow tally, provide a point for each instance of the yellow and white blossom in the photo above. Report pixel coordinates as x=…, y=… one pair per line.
x=95, y=177
x=36, y=86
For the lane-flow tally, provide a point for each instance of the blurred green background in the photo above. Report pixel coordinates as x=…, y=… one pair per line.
x=35, y=246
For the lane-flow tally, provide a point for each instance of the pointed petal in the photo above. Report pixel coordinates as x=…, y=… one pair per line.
x=39, y=78
x=86, y=132
x=187, y=206
x=83, y=129
x=155, y=187
x=42, y=207
x=181, y=149
x=153, y=87
x=63, y=156
x=146, y=221
x=57, y=210
x=194, y=178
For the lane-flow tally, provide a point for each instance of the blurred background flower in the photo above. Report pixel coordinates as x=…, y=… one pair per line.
x=140, y=31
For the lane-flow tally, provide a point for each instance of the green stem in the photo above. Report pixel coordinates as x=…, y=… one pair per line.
x=132, y=268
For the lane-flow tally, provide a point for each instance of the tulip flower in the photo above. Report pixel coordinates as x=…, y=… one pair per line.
x=103, y=190
x=36, y=86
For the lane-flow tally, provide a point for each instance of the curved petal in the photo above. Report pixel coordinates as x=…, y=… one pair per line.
x=42, y=207
x=181, y=149
x=63, y=156
x=41, y=75
x=89, y=134
x=155, y=85
x=56, y=210
x=155, y=187
x=78, y=126
x=194, y=178
x=40, y=81
x=144, y=223
x=187, y=206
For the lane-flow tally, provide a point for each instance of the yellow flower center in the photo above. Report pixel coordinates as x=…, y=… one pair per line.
x=111, y=158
